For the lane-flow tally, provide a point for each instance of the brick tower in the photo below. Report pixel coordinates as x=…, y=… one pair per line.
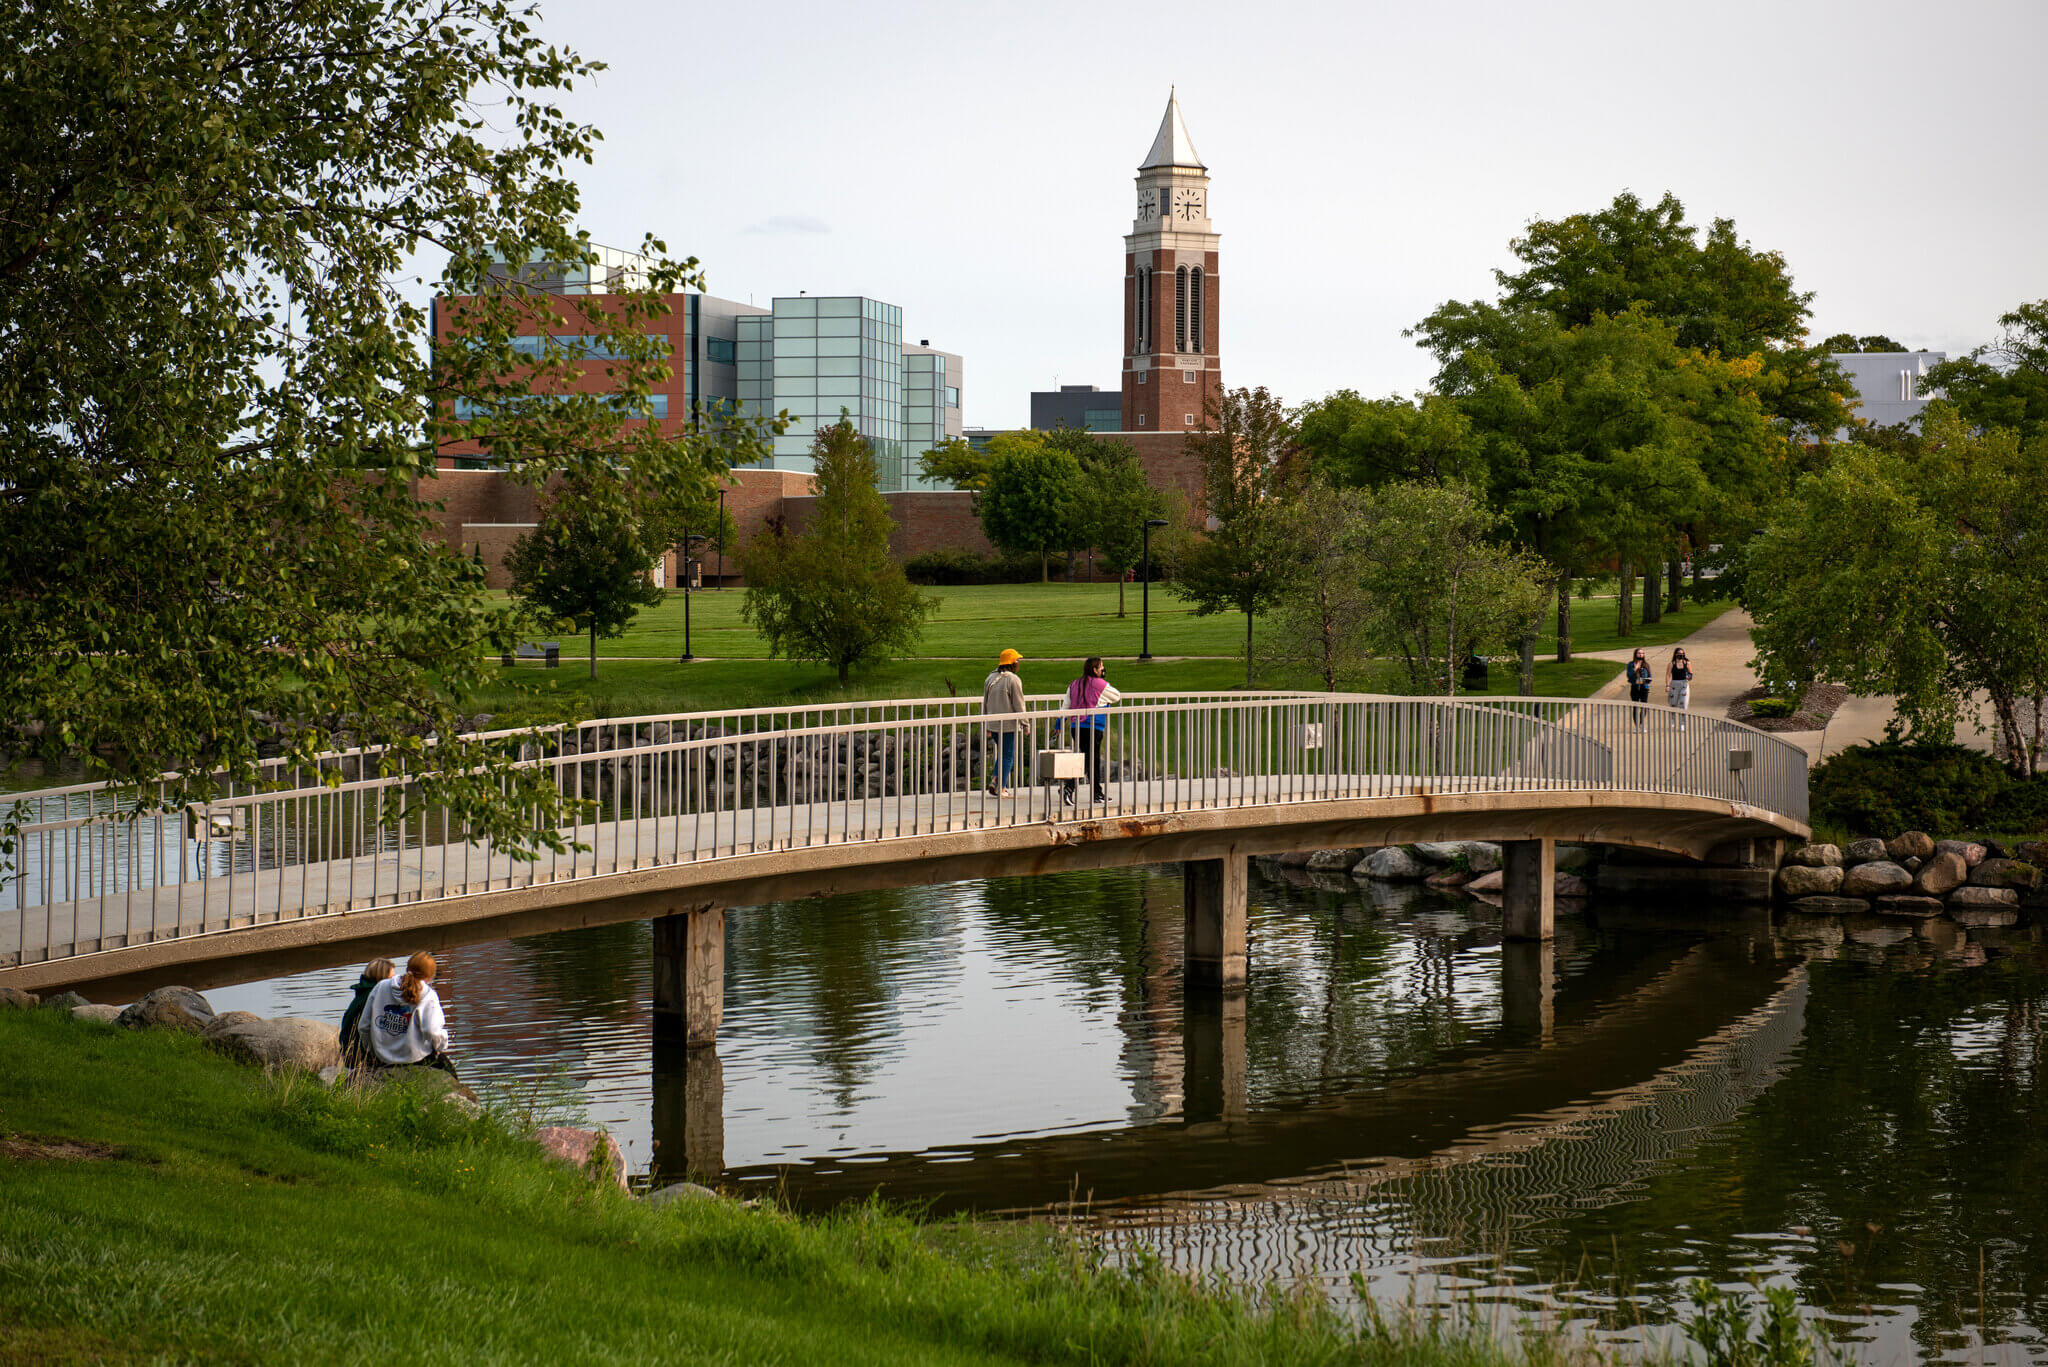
x=1172, y=375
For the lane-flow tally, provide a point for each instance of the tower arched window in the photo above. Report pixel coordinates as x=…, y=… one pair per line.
x=1141, y=331
x=1195, y=309
x=1180, y=309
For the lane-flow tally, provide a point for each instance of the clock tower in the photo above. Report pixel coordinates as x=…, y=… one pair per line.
x=1172, y=376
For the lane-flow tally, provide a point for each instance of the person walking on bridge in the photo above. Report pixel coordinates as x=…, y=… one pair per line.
x=1090, y=694
x=1639, y=677
x=1002, y=694
x=1679, y=679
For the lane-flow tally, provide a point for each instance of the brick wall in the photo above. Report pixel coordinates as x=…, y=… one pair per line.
x=926, y=520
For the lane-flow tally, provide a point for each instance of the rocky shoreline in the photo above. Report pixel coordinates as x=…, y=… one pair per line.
x=1975, y=883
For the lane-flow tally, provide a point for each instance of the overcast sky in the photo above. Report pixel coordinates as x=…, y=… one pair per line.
x=974, y=164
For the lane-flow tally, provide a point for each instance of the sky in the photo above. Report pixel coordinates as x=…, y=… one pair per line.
x=974, y=164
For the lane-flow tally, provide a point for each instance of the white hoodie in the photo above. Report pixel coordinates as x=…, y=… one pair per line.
x=397, y=1031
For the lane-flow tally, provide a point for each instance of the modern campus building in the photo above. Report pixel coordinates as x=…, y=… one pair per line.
x=1891, y=386
x=1081, y=406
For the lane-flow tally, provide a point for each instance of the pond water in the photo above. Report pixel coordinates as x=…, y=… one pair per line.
x=1399, y=1106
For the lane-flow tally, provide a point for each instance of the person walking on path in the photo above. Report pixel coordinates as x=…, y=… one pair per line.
x=402, y=1024
x=374, y=972
x=1679, y=680
x=1639, y=677
x=1091, y=693
x=1002, y=693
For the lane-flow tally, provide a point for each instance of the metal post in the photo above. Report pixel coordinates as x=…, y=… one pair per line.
x=721, y=538
x=1145, y=640
x=683, y=569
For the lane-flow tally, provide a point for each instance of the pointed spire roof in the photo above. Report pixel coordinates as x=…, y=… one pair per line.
x=1173, y=146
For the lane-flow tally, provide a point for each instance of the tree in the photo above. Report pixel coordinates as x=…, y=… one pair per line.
x=1323, y=619
x=955, y=462
x=585, y=562
x=2004, y=384
x=1245, y=452
x=832, y=594
x=1113, y=501
x=1027, y=505
x=1845, y=343
x=215, y=404
x=1369, y=442
x=1915, y=574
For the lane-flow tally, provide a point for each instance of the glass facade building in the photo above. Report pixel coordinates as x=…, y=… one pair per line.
x=816, y=356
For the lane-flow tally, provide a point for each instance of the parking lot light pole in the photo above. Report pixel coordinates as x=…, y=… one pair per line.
x=1145, y=642
x=688, y=537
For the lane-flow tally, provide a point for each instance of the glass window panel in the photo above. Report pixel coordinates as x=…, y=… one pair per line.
x=721, y=349
x=797, y=327
x=843, y=306
x=838, y=365
x=796, y=308
x=793, y=365
x=952, y=396
x=837, y=387
x=839, y=346
x=839, y=327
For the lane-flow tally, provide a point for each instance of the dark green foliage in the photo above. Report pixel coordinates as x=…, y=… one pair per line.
x=950, y=566
x=1240, y=565
x=1028, y=502
x=1843, y=343
x=585, y=563
x=1773, y=707
x=2004, y=384
x=1886, y=788
x=1778, y=1337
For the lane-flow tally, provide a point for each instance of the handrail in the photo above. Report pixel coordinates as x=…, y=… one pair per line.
x=97, y=868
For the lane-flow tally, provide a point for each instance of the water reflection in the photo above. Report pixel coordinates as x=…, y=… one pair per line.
x=1849, y=1106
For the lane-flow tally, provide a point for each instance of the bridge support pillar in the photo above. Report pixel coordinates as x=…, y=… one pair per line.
x=1529, y=888
x=689, y=975
x=1213, y=894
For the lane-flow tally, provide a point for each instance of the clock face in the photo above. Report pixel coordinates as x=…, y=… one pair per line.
x=1148, y=205
x=1187, y=204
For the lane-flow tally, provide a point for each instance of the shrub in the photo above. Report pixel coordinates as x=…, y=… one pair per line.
x=948, y=566
x=1886, y=788
x=1772, y=707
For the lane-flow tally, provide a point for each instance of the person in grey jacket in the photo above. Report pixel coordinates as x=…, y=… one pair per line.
x=1002, y=693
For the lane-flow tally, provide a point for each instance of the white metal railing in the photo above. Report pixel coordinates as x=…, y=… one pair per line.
x=96, y=868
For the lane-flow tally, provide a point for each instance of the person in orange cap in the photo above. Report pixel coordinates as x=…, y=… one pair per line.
x=1002, y=694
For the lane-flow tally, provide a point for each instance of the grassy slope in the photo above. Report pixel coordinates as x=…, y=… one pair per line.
x=242, y=1219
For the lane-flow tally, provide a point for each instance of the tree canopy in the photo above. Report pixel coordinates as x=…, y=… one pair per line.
x=2004, y=384
x=1112, y=502
x=831, y=593
x=953, y=461
x=1848, y=343
x=1027, y=504
x=1248, y=461
x=216, y=403
x=585, y=562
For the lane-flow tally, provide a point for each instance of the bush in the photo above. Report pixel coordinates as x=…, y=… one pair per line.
x=954, y=566
x=1772, y=707
x=1886, y=788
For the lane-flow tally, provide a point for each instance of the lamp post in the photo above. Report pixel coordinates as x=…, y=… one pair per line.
x=688, y=537
x=1145, y=644
x=721, y=538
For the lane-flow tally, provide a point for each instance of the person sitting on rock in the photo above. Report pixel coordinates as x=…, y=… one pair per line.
x=374, y=972
x=402, y=1024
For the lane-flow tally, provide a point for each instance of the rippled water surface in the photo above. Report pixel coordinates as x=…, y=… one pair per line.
x=1565, y=1134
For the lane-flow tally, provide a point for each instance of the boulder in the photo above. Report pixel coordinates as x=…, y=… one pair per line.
x=288, y=1042
x=64, y=1001
x=680, y=1193
x=1487, y=882
x=428, y=1084
x=1817, y=856
x=1483, y=855
x=1448, y=878
x=168, y=1008
x=1435, y=851
x=17, y=999
x=1862, y=851
x=1478, y=856
x=579, y=1149
x=1944, y=871
x=2033, y=852
x=1983, y=897
x=1875, y=879
x=227, y=1020
x=1569, y=885
x=1809, y=880
x=1972, y=852
x=1294, y=859
x=1831, y=906
x=1911, y=863
x=2004, y=873
x=1905, y=904
x=1392, y=865
x=1910, y=845
x=1335, y=861
x=99, y=1013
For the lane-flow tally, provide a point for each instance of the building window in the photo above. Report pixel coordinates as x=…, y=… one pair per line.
x=952, y=396
x=1195, y=311
x=1141, y=377
x=1180, y=309
x=1188, y=418
x=1141, y=420
x=1188, y=376
x=720, y=349
x=1141, y=325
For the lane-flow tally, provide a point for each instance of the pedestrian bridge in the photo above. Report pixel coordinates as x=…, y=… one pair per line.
x=684, y=816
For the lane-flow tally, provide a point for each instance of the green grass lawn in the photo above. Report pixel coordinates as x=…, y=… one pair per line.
x=1052, y=621
x=205, y=1213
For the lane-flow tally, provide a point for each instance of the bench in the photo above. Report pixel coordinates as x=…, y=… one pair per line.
x=550, y=651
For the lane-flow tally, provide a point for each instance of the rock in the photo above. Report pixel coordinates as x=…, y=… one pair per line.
x=332, y=1074
x=573, y=1147
x=1487, y=882
x=680, y=1192
x=1294, y=859
x=1910, y=845
x=1335, y=861
x=288, y=1042
x=168, y=1008
x=1984, y=918
x=1911, y=863
x=99, y=1013
x=1905, y=904
x=1448, y=878
x=1874, y=879
x=1808, y=880
x=65, y=1001
x=1972, y=852
x=18, y=999
x=1434, y=851
x=2033, y=852
x=1944, y=871
x=429, y=1084
x=1392, y=865
x=1569, y=885
x=2004, y=873
x=227, y=1020
x=1966, y=897
x=1479, y=856
x=1817, y=856
x=1484, y=856
x=1862, y=851
x=1831, y=906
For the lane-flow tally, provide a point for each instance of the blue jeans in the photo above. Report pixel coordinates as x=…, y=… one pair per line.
x=1008, y=762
